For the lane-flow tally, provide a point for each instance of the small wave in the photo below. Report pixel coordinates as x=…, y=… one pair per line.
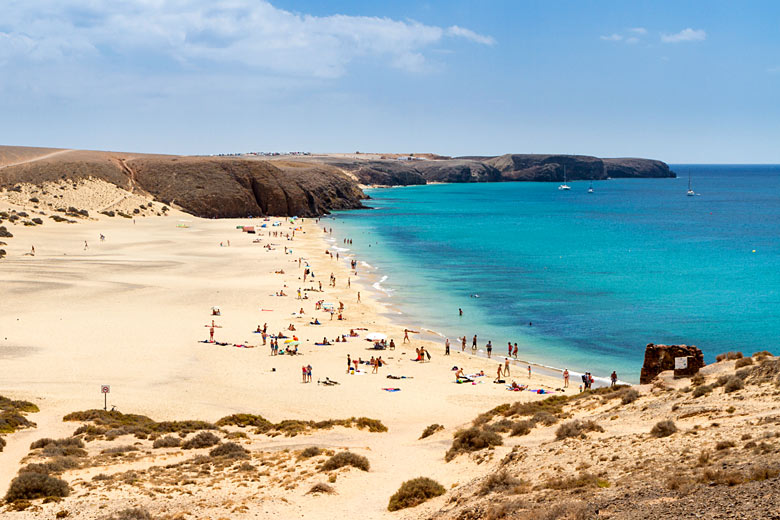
x=378, y=286
x=366, y=264
x=340, y=249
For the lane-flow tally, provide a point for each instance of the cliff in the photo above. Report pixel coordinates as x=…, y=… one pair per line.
x=203, y=186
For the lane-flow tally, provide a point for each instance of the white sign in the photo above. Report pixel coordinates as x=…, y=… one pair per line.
x=680, y=363
x=105, y=389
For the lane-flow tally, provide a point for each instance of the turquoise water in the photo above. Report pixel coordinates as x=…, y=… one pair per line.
x=599, y=275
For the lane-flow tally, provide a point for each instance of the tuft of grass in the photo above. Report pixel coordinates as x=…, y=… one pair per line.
x=697, y=379
x=546, y=418
x=113, y=423
x=472, y=439
x=724, y=445
x=577, y=428
x=728, y=356
x=430, y=430
x=701, y=390
x=321, y=487
x=663, y=428
x=133, y=513
x=581, y=480
x=744, y=362
x=520, y=428
x=118, y=450
x=29, y=486
x=346, y=458
x=629, y=395
x=414, y=492
x=502, y=482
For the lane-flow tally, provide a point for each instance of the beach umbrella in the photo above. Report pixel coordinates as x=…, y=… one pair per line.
x=291, y=342
x=376, y=336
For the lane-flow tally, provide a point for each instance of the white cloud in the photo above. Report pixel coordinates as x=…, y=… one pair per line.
x=470, y=35
x=632, y=40
x=614, y=37
x=638, y=30
x=204, y=34
x=686, y=35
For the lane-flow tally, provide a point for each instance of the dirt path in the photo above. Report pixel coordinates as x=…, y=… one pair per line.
x=49, y=425
x=36, y=158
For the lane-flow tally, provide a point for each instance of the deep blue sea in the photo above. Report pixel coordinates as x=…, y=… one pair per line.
x=599, y=275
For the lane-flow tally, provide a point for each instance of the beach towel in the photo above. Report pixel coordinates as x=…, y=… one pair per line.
x=399, y=377
x=391, y=389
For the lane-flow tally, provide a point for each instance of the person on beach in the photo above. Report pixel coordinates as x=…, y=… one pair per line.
x=406, y=335
x=349, y=363
x=529, y=371
x=506, y=367
x=358, y=295
x=489, y=348
x=508, y=348
x=349, y=283
x=514, y=351
x=308, y=373
x=85, y=245
x=305, y=373
x=566, y=378
x=447, y=347
x=392, y=344
x=498, y=375
x=460, y=311
x=613, y=378
x=474, y=343
x=463, y=344
x=264, y=336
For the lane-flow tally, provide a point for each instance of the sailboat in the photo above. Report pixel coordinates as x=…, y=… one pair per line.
x=564, y=186
x=690, y=193
x=590, y=188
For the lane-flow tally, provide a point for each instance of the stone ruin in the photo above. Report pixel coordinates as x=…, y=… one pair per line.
x=659, y=358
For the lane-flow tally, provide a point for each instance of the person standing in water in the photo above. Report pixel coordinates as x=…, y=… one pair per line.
x=474, y=343
x=489, y=348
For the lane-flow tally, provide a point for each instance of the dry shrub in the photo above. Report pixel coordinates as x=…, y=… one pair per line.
x=704, y=458
x=134, y=513
x=743, y=362
x=721, y=477
x=201, y=440
x=292, y=427
x=628, y=396
x=321, y=487
x=728, y=356
x=502, y=482
x=702, y=390
x=663, y=428
x=563, y=511
x=577, y=428
x=118, y=450
x=582, y=480
x=68, y=447
x=761, y=354
x=414, y=492
x=697, y=379
x=472, y=439
x=2, y=443
x=677, y=482
x=117, y=423
x=502, y=426
x=733, y=384
x=230, y=450
x=724, y=445
x=764, y=472
x=168, y=441
x=311, y=451
x=28, y=486
x=546, y=418
x=346, y=458
x=521, y=428
x=430, y=430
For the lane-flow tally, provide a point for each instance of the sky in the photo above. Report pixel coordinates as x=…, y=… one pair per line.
x=679, y=81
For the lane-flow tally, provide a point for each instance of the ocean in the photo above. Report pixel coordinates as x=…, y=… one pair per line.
x=581, y=281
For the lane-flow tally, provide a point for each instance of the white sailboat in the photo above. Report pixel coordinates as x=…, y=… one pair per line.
x=690, y=193
x=564, y=186
x=590, y=188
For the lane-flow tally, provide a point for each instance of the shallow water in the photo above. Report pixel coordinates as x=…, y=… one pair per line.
x=599, y=275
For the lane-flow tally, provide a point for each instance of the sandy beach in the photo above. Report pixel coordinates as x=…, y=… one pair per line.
x=131, y=312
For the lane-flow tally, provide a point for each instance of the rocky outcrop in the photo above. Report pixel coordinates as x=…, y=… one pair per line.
x=659, y=358
x=636, y=168
x=525, y=167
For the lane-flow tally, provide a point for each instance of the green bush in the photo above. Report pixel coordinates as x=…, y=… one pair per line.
x=414, y=492
x=346, y=458
x=28, y=486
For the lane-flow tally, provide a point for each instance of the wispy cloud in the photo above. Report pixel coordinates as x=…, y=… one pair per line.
x=686, y=35
x=773, y=70
x=630, y=36
x=470, y=35
x=614, y=37
x=203, y=34
x=638, y=30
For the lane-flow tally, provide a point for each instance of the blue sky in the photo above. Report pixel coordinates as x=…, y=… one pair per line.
x=677, y=81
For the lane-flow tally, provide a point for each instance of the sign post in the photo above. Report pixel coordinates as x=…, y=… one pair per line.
x=105, y=389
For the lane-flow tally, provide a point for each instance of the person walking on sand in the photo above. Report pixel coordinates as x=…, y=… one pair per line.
x=508, y=348
x=349, y=363
x=514, y=351
x=358, y=296
x=304, y=373
x=529, y=371
x=498, y=375
x=463, y=344
x=406, y=335
x=613, y=378
x=85, y=245
x=506, y=367
x=32, y=250
x=489, y=348
x=447, y=347
x=566, y=378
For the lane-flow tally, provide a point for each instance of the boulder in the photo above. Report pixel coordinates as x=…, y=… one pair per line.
x=659, y=358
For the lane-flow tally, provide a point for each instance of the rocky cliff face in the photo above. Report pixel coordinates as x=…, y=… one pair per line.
x=504, y=168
